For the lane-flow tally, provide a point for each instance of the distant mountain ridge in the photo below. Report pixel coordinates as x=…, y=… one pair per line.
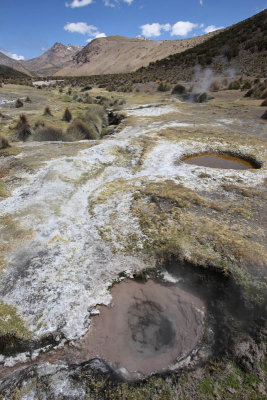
x=52, y=60
x=119, y=54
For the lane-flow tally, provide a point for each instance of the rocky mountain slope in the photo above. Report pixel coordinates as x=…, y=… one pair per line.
x=52, y=60
x=9, y=62
x=118, y=54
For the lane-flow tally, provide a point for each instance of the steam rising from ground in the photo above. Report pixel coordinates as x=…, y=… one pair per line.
x=204, y=78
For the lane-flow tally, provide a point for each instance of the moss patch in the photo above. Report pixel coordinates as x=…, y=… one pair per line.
x=11, y=323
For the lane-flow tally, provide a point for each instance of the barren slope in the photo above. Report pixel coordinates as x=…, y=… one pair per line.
x=53, y=59
x=117, y=54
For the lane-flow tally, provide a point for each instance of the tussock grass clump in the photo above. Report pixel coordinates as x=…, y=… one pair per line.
x=28, y=100
x=4, y=143
x=178, y=89
x=47, y=112
x=96, y=119
x=264, y=103
x=48, y=133
x=264, y=115
x=18, y=103
x=79, y=130
x=67, y=115
x=23, y=128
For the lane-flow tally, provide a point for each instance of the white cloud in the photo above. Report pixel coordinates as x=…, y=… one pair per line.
x=113, y=3
x=14, y=56
x=212, y=28
x=155, y=29
x=201, y=2
x=182, y=28
x=79, y=3
x=108, y=3
x=84, y=29
x=97, y=36
x=80, y=27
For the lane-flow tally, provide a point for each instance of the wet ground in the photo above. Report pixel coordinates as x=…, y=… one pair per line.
x=221, y=161
x=147, y=327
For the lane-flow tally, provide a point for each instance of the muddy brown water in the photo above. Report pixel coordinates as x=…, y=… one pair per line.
x=222, y=161
x=145, y=329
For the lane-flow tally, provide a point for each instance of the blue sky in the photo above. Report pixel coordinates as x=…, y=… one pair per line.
x=28, y=27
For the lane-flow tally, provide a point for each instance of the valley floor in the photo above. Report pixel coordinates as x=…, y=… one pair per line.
x=78, y=217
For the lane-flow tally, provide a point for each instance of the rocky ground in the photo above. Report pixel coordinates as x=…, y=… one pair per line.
x=77, y=217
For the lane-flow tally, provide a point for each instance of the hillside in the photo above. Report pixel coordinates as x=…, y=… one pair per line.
x=9, y=62
x=118, y=54
x=242, y=46
x=7, y=72
x=52, y=60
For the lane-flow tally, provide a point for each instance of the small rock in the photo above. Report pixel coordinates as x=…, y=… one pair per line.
x=231, y=390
